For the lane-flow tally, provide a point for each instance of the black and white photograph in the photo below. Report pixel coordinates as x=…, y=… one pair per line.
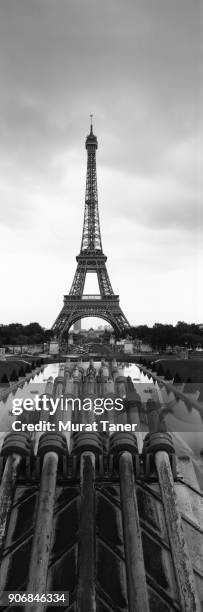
x=101, y=321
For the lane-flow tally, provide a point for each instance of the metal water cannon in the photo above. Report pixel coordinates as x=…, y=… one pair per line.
x=49, y=386
x=90, y=384
x=91, y=369
x=69, y=387
x=100, y=369
x=76, y=382
x=67, y=373
x=58, y=386
x=80, y=366
x=76, y=374
x=61, y=370
x=120, y=370
x=67, y=369
x=115, y=373
x=120, y=385
x=108, y=388
x=114, y=365
x=104, y=373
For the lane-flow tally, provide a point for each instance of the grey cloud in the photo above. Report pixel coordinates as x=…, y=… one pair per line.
x=167, y=213
x=135, y=65
x=64, y=60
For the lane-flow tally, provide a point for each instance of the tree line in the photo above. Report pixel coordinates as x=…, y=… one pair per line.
x=17, y=334
x=158, y=337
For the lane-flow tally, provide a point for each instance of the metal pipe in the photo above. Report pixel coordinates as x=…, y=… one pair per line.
x=86, y=595
x=181, y=559
x=44, y=414
x=14, y=447
x=42, y=538
x=135, y=568
x=7, y=490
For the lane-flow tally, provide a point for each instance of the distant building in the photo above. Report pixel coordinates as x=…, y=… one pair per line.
x=2, y=354
x=92, y=333
x=77, y=326
x=145, y=348
x=54, y=347
x=128, y=347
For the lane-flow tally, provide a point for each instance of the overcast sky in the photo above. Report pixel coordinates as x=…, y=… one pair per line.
x=134, y=64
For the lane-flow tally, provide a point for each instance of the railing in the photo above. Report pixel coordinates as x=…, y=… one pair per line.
x=91, y=297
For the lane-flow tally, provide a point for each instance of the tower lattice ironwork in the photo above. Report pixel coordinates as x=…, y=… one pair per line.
x=91, y=259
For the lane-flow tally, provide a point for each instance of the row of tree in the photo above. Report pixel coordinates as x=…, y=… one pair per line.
x=159, y=336
x=17, y=335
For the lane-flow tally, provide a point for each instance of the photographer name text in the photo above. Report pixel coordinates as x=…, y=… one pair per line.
x=50, y=407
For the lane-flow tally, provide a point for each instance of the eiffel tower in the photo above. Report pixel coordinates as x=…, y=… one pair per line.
x=91, y=260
